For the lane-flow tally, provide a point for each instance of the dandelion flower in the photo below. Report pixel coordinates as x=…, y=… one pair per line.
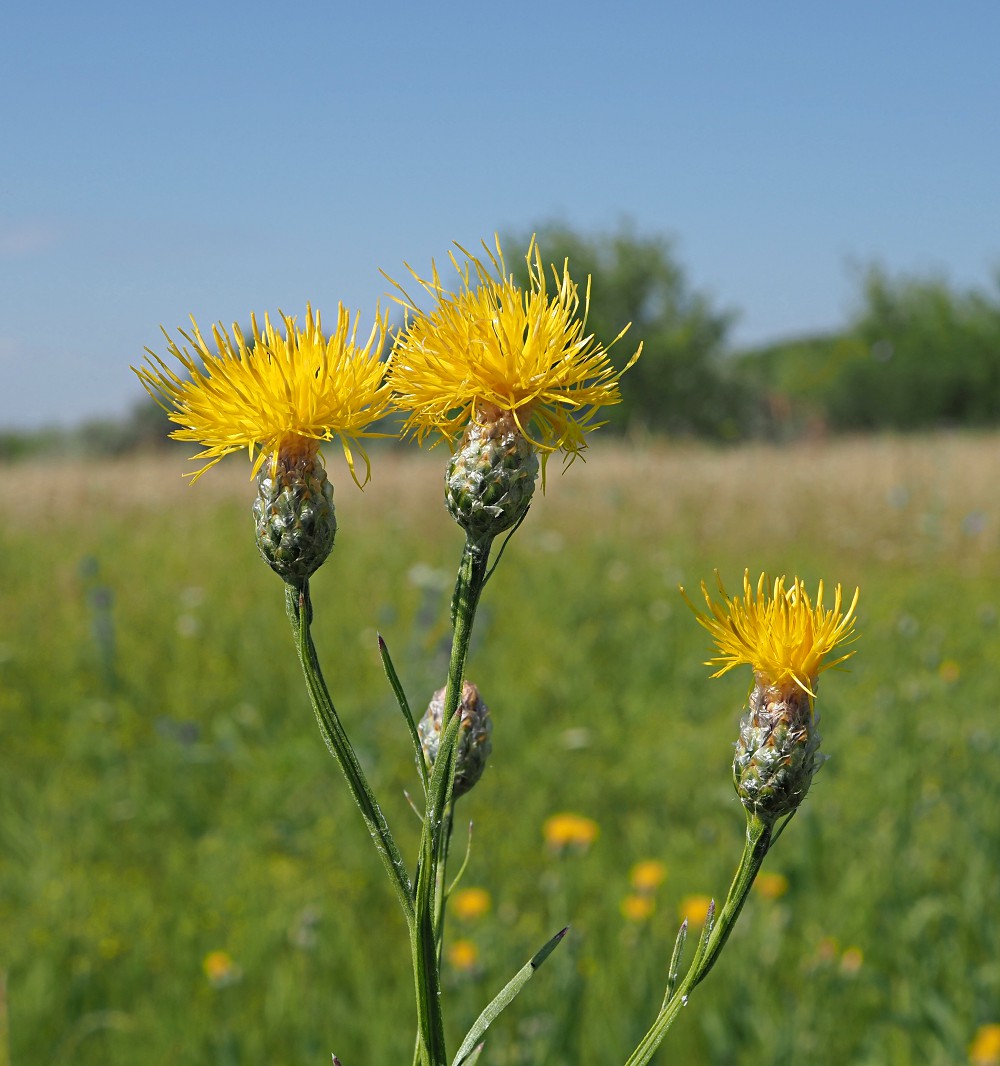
x=274, y=395
x=471, y=903
x=637, y=907
x=771, y=886
x=463, y=955
x=985, y=1047
x=569, y=830
x=647, y=875
x=220, y=969
x=495, y=348
x=695, y=909
x=778, y=631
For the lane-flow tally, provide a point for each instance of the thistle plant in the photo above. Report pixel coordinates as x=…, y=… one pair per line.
x=505, y=377
x=788, y=642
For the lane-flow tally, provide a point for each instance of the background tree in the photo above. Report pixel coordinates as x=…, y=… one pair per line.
x=929, y=356
x=917, y=354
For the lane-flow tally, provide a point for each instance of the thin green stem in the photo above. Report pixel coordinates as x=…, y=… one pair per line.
x=440, y=889
x=758, y=840
x=299, y=607
x=426, y=929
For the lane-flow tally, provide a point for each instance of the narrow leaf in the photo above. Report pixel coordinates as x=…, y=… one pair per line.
x=706, y=932
x=675, y=962
x=503, y=999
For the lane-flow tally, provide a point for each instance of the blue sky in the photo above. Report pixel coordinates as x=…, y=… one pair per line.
x=214, y=158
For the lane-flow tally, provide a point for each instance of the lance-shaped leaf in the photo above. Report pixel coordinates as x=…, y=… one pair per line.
x=472, y=1041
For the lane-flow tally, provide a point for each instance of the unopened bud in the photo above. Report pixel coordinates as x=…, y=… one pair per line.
x=473, y=747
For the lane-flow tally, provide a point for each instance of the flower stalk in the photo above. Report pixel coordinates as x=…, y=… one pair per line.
x=426, y=932
x=299, y=608
x=788, y=642
x=759, y=836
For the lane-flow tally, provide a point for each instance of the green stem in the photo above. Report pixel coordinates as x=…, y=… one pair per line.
x=426, y=929
x=299, y=607
x=758, y=840
x=441, y=888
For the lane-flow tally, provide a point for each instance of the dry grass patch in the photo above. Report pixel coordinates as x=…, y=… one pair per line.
x=904, y=498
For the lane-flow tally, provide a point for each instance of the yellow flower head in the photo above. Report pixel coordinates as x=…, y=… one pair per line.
x=273, y=394
x=771, y=886
x=648, y=875
x=694, y=909
x=471, y=903
x=569, y=830
x=494, y=347
x=220, y=969
x=636, y=907
x=985, y=1047
x=463, y=955
x=777, y=630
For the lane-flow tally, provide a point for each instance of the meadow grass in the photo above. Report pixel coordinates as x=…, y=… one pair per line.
x=165, y=794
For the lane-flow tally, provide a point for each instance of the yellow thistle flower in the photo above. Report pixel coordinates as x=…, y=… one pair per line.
x=494, y=348
x=777, y=630
x=272, y=394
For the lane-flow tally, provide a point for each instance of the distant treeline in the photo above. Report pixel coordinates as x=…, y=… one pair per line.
x=916, y=354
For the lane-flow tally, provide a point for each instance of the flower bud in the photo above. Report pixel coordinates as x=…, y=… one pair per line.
x=473, y=747
x=296, y=521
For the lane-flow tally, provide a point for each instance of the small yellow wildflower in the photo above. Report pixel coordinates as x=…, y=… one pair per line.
x=771, y=886
x=638, y=907
x=470, y=903
x=463, y=955
x=648, y=875
x=569, y=830
x=851, y=961
x=949, y=671
x=494, y=347
x=220, y=969
x=777, y=630
x=985, y=1047
x=694, y=909
x=272, y=394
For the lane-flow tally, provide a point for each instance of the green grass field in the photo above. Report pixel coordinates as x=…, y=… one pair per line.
x=165, y=794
